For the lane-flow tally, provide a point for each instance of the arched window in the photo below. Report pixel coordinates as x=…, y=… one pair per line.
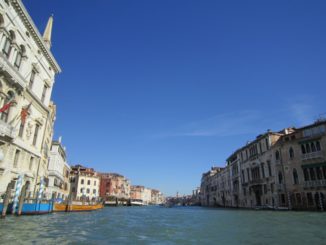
x=313, y=148
x=280, y=178
x=318, y=146
x=303, y=149
x=295, y=177
x=306, y=174
x=291, y=153
x=308, y=148
x=277, y=155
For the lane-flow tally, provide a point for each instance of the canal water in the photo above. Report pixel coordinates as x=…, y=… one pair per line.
x=158, y=225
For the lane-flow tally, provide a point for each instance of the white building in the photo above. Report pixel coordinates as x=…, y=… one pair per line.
x=147, y=196
x=85, y=183
x=58, y=171
x=27, y=73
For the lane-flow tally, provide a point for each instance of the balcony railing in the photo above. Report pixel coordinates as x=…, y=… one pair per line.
x=312, y=155
x=8, y=68
x=315, y=183
x=6, y=130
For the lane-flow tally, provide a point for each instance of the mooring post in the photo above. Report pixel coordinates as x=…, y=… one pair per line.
x=6, y=200
x=22, y=198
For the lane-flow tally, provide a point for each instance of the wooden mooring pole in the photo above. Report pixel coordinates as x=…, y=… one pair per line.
x=6, y=200
x=22, y=198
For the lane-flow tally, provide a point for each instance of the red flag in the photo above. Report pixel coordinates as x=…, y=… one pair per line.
x=24, y=113
x=6, y=107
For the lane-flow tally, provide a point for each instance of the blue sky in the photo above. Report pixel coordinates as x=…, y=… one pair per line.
x=162, y=90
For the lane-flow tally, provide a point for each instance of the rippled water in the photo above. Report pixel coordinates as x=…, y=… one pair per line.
x=157, y=225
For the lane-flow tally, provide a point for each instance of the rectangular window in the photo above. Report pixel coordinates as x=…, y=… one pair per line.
x=5, y=114
x=18, y=60
x=6, y=48
x=265, y=188
x=266, y=142
x=16, y=158
x=94, y=191
x=37, y=128
x=248, y=174
x=263, y=170
x=269, y=168
x=32, y=79
x=45, y=88
x=88, y=182
x=21, y=130
x=31, y=162
x=82, y=181
x=95, y=183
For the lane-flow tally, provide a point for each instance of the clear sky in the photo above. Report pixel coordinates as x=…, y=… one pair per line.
x=161, y=90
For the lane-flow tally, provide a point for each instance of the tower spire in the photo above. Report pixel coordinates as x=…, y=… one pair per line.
x=48, y=32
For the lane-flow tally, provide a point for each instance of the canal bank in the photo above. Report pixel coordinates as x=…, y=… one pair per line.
x=150, y=225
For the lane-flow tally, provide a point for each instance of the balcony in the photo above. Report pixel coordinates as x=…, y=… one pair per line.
x=315, y=183
x=312, y=155
x=256, y=182
x=11, y=72
x=6, y=130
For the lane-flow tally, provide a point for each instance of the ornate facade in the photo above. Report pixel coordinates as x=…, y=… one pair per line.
x=27, y=74
x=285, y=169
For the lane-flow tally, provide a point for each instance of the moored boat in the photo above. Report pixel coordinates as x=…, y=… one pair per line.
x=31, y=208
x=76, y=207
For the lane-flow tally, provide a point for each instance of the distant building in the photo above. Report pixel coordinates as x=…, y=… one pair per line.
x=59, y=171
x=156, y=197
x=136, y=192
x=114, y=186
x=284, y=169
x=85, y=183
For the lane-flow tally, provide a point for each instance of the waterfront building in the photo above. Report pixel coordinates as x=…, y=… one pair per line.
x=284, y=169
x=84, y=183
x=59, y=171
x=136, y=192
x=156, y=197
x=27, y=74
x=114, y=186
x=300, y=159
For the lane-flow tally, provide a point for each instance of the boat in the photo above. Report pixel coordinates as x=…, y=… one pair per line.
x=37, y=208
x=31, y=208
x=76, y=207
x=137, y=202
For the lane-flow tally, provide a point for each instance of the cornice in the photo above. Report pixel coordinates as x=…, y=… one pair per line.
x=28, y=22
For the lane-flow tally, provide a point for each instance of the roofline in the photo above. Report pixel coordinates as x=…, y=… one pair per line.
x=30, y=25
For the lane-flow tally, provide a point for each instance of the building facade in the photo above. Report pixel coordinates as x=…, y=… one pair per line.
x=156, y=197
x=283, y=169
x=114, y=186
x=59, y=171
x=27, y=74
x=84, y=183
